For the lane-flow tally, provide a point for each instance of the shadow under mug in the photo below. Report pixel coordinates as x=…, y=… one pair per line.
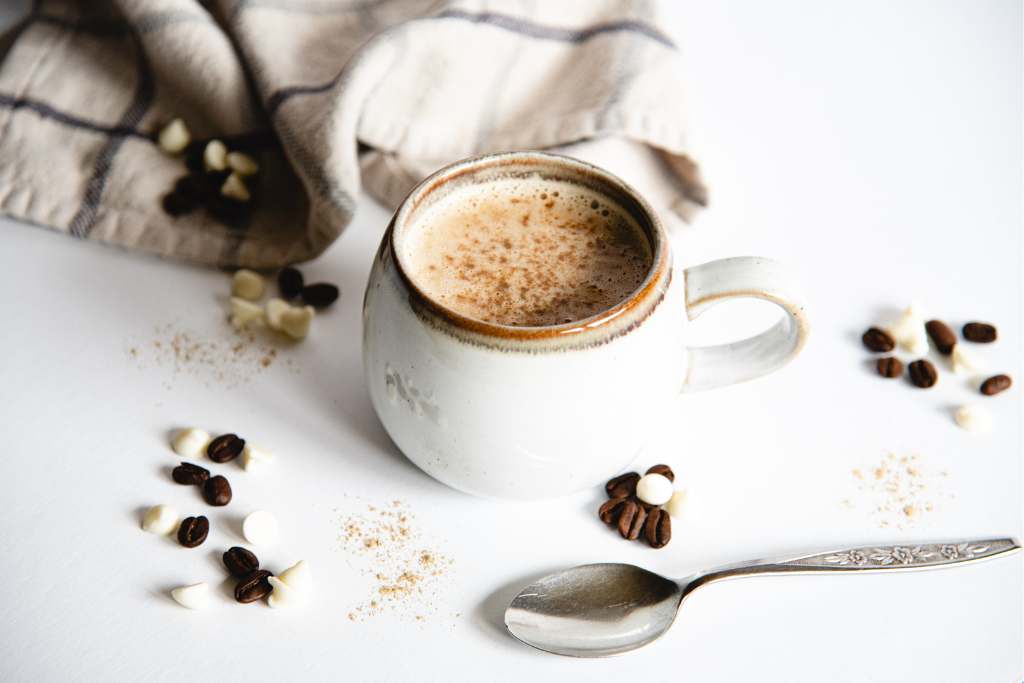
x=535, y=412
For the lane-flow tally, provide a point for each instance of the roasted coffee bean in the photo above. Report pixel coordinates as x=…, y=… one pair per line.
x=290, y=282
x=658, y=528
x=923, y=374
x=663, y=470
x=240, y=562
x=994, y=385
x=320, y=295
x=253, y=586
x=230, y=212
x=192, y=475
x=193, y=155
x=943, y=337
x=890, y=367
x=611, y=509
x=622, y=485
x=225, y=447
x=980, y=333
x=193, y=531
x=631, y=520
x=878, y=340
x=176, y=204
x=217, y=491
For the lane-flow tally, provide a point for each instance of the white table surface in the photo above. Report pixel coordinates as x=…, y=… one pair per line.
x=875, y=146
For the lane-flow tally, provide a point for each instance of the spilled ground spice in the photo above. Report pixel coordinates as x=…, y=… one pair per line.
x=231, y=359
x=406, y=576
x=898, y=491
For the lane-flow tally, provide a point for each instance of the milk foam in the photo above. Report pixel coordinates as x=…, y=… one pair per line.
x=526, y=252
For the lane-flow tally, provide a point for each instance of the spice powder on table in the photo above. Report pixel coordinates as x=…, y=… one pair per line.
x=898, y=491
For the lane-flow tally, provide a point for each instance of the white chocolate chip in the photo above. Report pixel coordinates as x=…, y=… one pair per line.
x=255, y=459
x=963, y=361
x=296, y=320
x=215, y=156
x=234, y=187
x=974, y=418
x=191, y=442
x=247, y=284
x=282, y=594
x=242, y=164
x=260, y=528
x=196, y=596
x=654, y=489
x=909, y=332
x=160, y=519
x=298, y=577
x=916, y=343
x=244, y=312
x=174, y=137
x=676, y=503
x=275, y=309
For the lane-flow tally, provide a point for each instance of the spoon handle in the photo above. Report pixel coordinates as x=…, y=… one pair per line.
x=869, y=558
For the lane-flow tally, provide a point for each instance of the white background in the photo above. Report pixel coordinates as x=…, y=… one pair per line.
x=875, y=146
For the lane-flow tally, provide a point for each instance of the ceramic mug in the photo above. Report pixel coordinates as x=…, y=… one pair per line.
x=534, y=412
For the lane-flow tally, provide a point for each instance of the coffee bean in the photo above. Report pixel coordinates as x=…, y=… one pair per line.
x=980, y=333
x=622, y=485
x=217, y=491
x=253, y=586
x=611, y=509
x=878, y=340
x=663, y=470
x=193, y=531
x=176, y=204
x=923, y=374
x=631, y=520
x=943, y=337
x=320, y=295
x=240, y=562
x=996, y=384
x=890, y=367
x=224, y=448
x=658, y=528
x=187, y=473
x=290, y=282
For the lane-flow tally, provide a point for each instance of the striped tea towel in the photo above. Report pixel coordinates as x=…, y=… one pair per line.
x=331, y=95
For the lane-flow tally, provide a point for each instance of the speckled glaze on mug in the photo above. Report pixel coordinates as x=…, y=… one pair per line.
x=535, y=412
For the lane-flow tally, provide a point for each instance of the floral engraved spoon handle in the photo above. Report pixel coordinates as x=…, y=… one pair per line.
x=867, y=558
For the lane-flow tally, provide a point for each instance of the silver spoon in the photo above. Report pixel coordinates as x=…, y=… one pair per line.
x=597, y=610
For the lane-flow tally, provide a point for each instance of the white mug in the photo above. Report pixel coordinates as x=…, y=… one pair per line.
x=535, y=412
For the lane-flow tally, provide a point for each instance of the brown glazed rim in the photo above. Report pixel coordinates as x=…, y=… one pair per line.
x=648, y=292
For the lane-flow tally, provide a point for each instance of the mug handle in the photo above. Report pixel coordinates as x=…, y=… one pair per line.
x=746, y=276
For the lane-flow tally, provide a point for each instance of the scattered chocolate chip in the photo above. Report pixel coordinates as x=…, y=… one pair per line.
x=217, y=491
x=622, y=485
x=189, y=474
x=980, y=333
x=290, y=282
x=663, y=470
x=923, y=373
x=996, y=384
x=193, y=531
x=320, y=295
x=225, y=447
x=658, y=528
x=631, y=520
x=890, y=367
x=878, y=340
x=240, y=562
x=193, y=155
x=943, y=337
x=253, y=586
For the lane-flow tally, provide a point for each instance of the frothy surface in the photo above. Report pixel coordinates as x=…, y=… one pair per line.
x=526, y=252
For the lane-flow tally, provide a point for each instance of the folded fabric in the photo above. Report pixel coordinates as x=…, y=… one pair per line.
x=329, y=96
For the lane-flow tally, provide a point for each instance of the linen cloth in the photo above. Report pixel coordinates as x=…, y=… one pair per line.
x=333, y=95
